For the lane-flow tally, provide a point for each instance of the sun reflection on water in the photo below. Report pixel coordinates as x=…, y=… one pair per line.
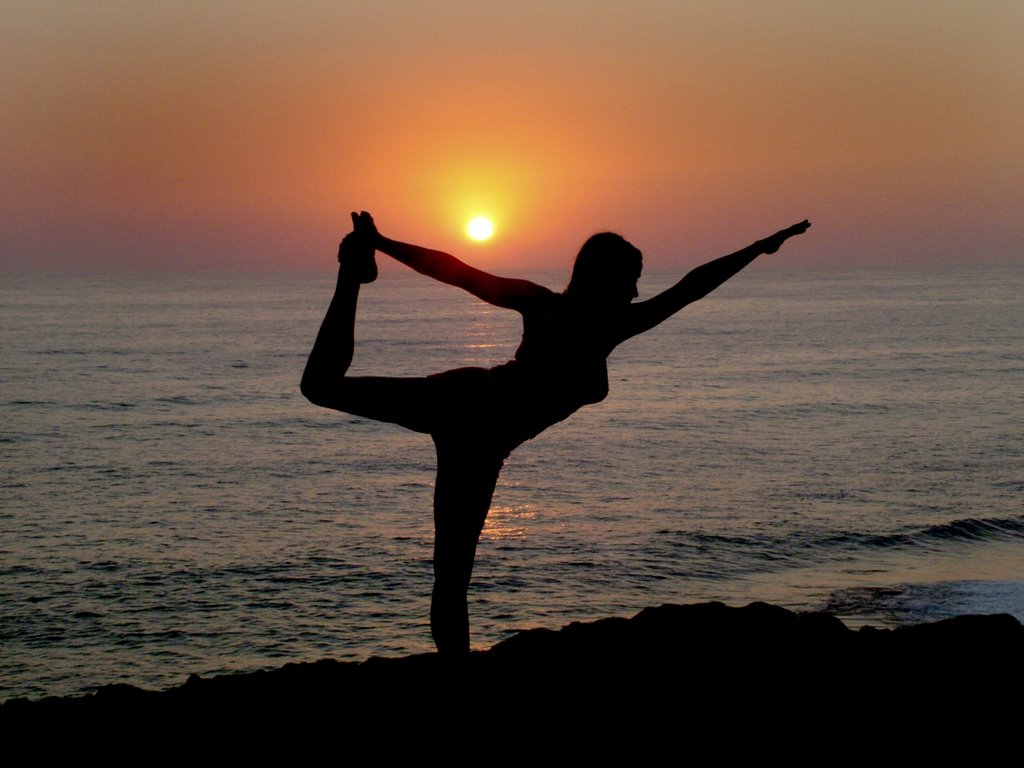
x=507, y=523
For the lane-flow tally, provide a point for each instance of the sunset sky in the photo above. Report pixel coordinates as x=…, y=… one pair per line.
x=238, y=135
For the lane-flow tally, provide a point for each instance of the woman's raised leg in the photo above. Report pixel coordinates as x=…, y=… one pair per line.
x=401, y=401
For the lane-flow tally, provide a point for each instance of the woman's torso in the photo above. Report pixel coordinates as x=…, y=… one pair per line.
x=560, y=365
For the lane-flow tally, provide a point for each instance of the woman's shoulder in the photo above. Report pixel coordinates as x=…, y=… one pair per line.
x=541, y=302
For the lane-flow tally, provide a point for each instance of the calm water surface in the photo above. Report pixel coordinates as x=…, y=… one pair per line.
x=170, y=504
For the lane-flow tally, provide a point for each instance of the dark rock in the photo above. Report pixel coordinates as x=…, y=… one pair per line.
x=668, y=673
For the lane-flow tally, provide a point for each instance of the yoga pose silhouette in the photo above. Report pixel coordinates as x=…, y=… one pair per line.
x=477, y=416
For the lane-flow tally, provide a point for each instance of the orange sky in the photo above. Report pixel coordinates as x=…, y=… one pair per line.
x=228, y=135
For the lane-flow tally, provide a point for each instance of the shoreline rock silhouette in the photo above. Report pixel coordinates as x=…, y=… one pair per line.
x=706, y=668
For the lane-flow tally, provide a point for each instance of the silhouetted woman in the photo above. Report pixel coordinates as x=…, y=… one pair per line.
x=477, y=416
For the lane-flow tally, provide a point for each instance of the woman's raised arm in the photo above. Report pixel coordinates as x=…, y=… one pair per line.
x=703, y=280
x=504, y=292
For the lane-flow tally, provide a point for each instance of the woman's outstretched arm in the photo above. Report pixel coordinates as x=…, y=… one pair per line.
x=703, y=280
x=501, y=291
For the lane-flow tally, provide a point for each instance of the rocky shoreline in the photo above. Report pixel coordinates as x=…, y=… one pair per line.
x=704, y=669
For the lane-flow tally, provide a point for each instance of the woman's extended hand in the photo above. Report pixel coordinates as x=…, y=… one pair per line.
x=773, y=243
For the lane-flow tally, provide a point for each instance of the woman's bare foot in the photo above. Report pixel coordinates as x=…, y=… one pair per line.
x=356, y=252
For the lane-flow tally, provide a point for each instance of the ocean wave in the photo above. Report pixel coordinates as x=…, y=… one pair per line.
x=968, y=529
x=745, y=553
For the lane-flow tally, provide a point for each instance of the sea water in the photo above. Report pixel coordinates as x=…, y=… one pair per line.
x=846, y=441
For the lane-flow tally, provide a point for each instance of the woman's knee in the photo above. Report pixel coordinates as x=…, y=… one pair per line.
x=316, y=390
x=454, y=555
x=332, y=393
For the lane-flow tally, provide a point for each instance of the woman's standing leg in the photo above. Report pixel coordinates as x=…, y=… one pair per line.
x=466, y=477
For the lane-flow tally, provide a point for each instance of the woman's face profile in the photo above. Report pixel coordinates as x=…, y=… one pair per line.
x=620, y=285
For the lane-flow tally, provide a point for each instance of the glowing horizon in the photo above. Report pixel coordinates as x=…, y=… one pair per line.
x=227, y=136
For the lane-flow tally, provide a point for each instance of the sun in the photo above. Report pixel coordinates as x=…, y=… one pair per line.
x=480, y=228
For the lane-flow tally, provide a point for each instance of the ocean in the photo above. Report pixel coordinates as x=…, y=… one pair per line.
x=850, y=441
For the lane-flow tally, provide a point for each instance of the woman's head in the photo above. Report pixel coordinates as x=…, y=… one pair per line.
x=606, y=270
